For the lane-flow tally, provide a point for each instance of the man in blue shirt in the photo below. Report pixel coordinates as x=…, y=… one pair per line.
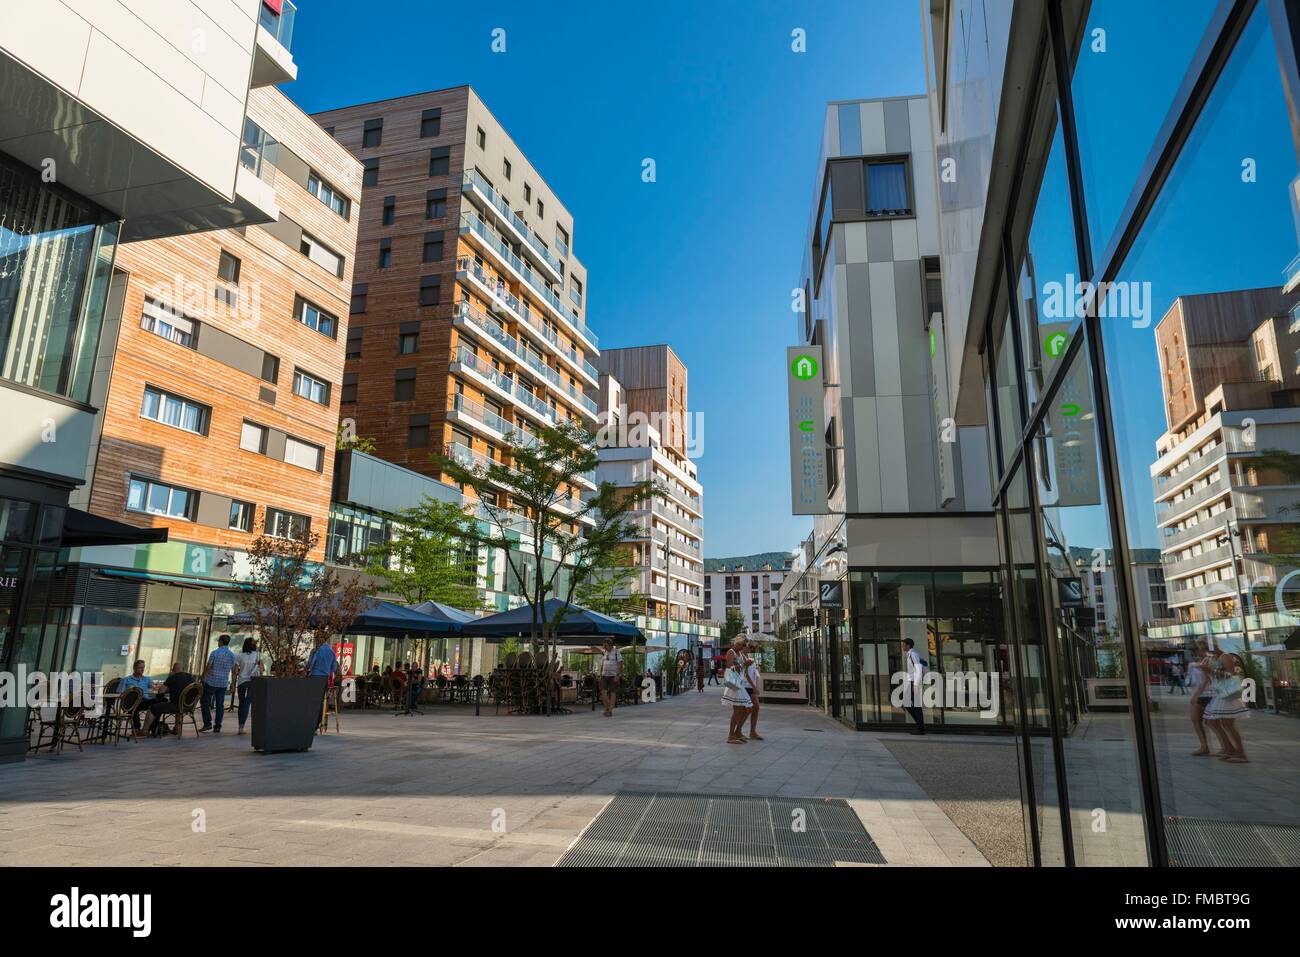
x=322, y=664
x=216, y=681
x=138, y=679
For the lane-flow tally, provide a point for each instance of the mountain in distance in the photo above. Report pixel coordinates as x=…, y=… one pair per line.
x=776, y=559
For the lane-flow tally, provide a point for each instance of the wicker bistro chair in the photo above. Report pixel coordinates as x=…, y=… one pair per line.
x=460, y=688
x=54, y=721
x=188, y=701
x=124, y=717
x=441, y=685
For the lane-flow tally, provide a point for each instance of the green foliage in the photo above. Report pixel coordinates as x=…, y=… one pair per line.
x=345, y=441
x=733, y=626
x=431, y=557
x=608, y=590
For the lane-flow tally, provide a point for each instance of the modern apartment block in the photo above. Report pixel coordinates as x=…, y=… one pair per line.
x=752, y=593
x=903, y=528
x=119, y=122
x=468, y=313
x=1225, y=480
x=646, y=426
x=1106, y=307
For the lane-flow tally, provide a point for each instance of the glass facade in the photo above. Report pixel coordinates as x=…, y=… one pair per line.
x=1145, y=430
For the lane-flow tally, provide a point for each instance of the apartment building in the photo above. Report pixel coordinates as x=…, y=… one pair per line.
x=752, y=593
x=121, y=122
x=1226, y=471
x=905, y=544
x=644, y=433
x=468, y=311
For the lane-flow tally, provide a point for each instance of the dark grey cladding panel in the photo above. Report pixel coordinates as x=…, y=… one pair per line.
x=922, y=464
x=214, y=510
x=898, y=127
x=837, y=241
x=228, y=350
x=880, y=242
x=285, y=230
x=292, y=165
x=275, y=442
x=862, y=362
x=913, y=341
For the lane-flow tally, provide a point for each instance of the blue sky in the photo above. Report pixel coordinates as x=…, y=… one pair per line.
x=705, y=257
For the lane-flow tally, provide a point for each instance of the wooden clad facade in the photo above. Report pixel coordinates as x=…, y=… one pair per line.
x=653, y=380
x=245, y=353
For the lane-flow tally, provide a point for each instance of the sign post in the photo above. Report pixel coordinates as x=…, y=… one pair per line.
x=805, y=379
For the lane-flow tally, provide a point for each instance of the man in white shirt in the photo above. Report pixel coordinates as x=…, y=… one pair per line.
x=611, y=675
x=915, y=676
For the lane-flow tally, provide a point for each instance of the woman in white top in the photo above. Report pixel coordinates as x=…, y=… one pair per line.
x=1227, y=706
x=734, y=692
x=751, y=685
x=1198, y=685
x=248, y=665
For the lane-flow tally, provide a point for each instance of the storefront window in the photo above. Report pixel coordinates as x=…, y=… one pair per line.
x=1086, y=630
x=1132, y=58
x=1205, y=383
x=1007, y=384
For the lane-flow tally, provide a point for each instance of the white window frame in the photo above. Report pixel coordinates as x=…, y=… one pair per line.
x=163, y=398
x=307, y=386
x=147, y=486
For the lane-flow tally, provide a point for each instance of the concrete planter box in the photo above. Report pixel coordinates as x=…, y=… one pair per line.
x=286, y=712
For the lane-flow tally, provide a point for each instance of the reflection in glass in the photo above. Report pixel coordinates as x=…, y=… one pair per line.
x=1206, y=391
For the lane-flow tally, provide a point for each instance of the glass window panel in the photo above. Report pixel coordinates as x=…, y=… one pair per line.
x=1124, y=83
x=1010, y=421
x=149, y=407
x=1207, y=431
x=158, y=498
x=1086, y=633
x=887, y=189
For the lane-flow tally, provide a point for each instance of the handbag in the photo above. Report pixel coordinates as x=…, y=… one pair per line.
x=733, y=679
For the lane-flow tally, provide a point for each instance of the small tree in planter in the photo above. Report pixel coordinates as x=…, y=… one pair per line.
x=296, y=602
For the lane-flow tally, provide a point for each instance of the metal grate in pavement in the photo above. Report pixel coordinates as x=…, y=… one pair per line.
x=1204, y=842
x=680, y=829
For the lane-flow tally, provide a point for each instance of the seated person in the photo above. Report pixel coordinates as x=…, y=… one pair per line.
x=176, y=683
x=138, y=679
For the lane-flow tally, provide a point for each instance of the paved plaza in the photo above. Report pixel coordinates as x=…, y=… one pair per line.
x=447, y=788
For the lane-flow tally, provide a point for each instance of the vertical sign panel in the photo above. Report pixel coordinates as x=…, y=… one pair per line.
x=807, y=391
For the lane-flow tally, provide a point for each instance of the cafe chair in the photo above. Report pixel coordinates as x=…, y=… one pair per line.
x=330, y=706
x=123, y=717
x=69, y=730
x=189, y=700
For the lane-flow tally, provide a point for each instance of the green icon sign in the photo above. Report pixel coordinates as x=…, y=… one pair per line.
x=1055, y=344
x=806, y=425
x=1069, y=409
x=804, y=367
x=931, y=343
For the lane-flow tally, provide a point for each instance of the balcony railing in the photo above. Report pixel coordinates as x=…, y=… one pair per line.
x=472, y=178
x=1164, y=510
x=470, y=360
x=1195, y=463
x=279, y=25
x=476, y=410
x=473, y=223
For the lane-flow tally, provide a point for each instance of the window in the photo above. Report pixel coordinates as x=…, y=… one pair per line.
x=309, y=387
x=430, y=290
x=390, y=210
x=541, y=209
x=481, y=138
x=440, y=161
x=575, y=290
x=313, y=317
x=385, y=253
x=505, y=168
x=435, y=204
x=282, y=524
x=433, y=247
x=373, y=133
x=158, y=498
x=370, y=172
x=162, y=321
x=528, y=194
x=404, y=385
x=174, y=410
x=349, y=391
x=252, y=438
x=328, y=195
x=408, y=343
x=302, y=454
x=887, y=189
x=321, y=254
x=562, y=240
x=431, y=122
x=359, y=290
x=228, y=268
x=241, y=516
x=354, y=344
x=417, y=432
x=270, y=367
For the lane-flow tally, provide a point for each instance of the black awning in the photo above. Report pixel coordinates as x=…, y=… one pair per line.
x=81, y=530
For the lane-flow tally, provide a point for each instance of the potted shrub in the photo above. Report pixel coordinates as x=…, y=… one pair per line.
x=297, y=604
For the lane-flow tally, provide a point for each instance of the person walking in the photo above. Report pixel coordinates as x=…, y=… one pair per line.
x=611, y=675
x=1227, y=706
x=1199, y=672
x=323, y=663
x=752, y=686
x=1176, y=679
x=916, y=667
x=734, y=693
x=216, y=681
x=713, y=671
x=248, y=665
x=699, y=674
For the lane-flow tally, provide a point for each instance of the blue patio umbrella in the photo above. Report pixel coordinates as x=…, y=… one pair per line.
x=378, y=617
x=436, y=609
x=578, y=626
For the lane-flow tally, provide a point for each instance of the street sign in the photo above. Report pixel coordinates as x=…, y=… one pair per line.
x=832, y=594
x=805, y=617
x=1069, y=592
x=807, y=429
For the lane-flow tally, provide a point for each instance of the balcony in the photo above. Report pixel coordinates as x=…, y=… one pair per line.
x=1196, y=464
x=473, y=226
x=1291, y=275
x=1207, y=559
x=1167, y=511
x=476, y=415
x=1217, y=524
x=476, y=186
x=255, y=177
x=272, y=61
x=494, y=290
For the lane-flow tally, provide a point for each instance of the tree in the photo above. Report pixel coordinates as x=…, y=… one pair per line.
x=733, y=626
x=346, y=439
x=553, y=541
x=296, y=600
x=609, y=590
x=426, y=561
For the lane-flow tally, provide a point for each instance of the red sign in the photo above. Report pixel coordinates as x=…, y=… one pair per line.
x=347, y=652
x=275, y=6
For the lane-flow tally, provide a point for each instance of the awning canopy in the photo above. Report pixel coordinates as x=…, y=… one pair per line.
x=82, y=530
x=436, y=609
x=578, y=626
x=383, y=618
